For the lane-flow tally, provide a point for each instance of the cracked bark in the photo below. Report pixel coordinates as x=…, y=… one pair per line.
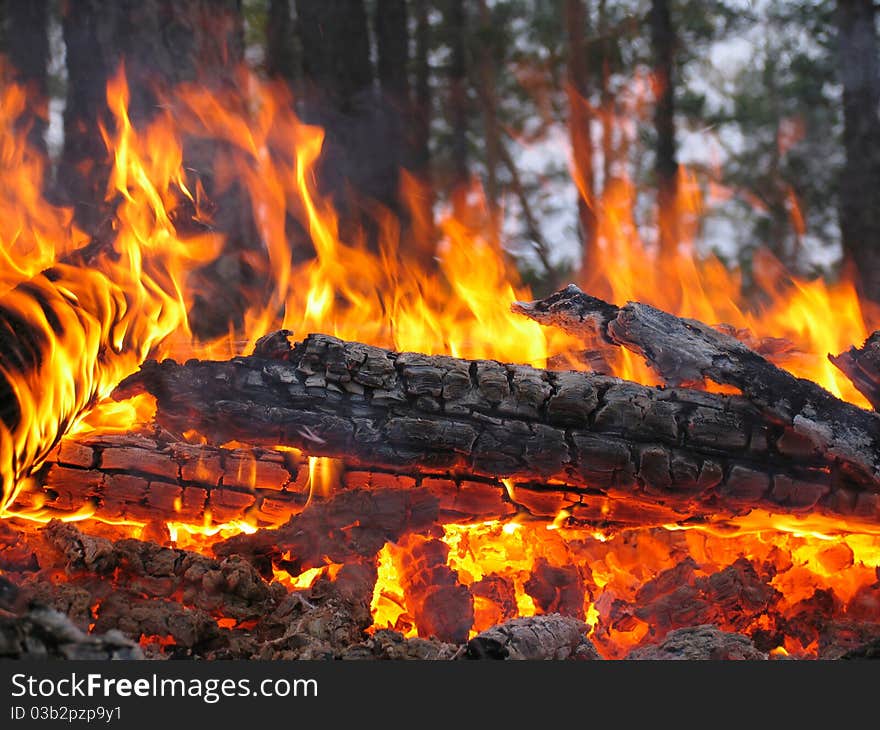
x=862, y=366
x=676, y=448
x=687, y=351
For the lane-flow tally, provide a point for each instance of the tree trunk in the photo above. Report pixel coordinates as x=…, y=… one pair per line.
x=162, y=42
x=27, y=47
x=579, y=130
x=418, y=188
x=422, y=92
x=83, y=167
x=456, y=21
x=281, y=57
x=698, y=452
x=606, y=99
x=392, y=46
x=489, y=105
x=663, y=43
x=860, y=182
x=355, y=163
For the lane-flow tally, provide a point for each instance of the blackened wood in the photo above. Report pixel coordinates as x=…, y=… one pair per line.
x=687, y=351
x=44, y=633
x=673, y=447
x=351, y=525
x=545, y=637
x=704, y=642
x=862, y=366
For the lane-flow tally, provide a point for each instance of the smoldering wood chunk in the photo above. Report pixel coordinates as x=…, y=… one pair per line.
x=557, y=589
x=862, y=366
x=500, y=595
x=849, y=639
x=570, y=310
x=469, y=499
x=704, y=642
x=737, y=592
x=324, y=621
x=16, y=552
x=389, y=644
x=71, y=453
x=275, y=345
x=681, y=597
x=232, y=585
x=151, y=617
x=442, y=607
x=82, y=552
x=44, y=633
x=355, y=523
x=548, y=636
x=139, y=461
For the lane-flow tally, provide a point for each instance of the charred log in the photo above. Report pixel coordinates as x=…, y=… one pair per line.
x=862, y=366
x=593, y=435
x=686, y=351
x=352, y=525
x=700, y=642
x=44, y=633
x=153, y=479
x=550, y=636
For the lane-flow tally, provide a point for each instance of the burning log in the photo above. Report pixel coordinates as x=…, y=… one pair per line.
x=152, y=479
x=576, y=432
x=687, y=351
x=862, y=366
x=149, y=478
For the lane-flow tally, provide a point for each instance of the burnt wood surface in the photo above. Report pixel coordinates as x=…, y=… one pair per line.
x=686, y=351
x=862, y=366
x=680, y=448
x=151, y=478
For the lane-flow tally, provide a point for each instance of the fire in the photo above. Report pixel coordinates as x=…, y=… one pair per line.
x=97, y=311
x=812, y=318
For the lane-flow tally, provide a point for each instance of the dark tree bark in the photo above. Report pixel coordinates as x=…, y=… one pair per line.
x=860, y=183
x=663, y=44
x=419, y=188
x=392, y=46
x=456, y=23
x=281, y=58
x=338, y=73
x=579, y=128
x=422, y=91
x=606, y=98
x=336, y=50
x=26, y=36
x=697, y=452
x=489, y=104
x=161, y=42
x=83, y=167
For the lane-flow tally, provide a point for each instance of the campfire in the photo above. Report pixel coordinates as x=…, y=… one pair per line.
x=385, y=459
